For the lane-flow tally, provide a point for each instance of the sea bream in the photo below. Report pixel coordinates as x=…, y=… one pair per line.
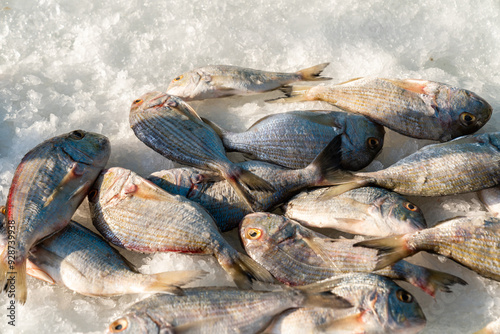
x=466, y=164
x=415, y=108
x=48, y=186
x=172, y=128
x=224, y=80
x=135, y=214
x=293, y=139
x=474, y=242
x=221, y=200
x=380, y=306
x=82, y=261
x=212, y=310
x=296, y=255
x=370, y=211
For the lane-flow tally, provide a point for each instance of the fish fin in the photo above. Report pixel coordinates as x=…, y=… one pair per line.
x=412, y=85
x=438, y=280
x=320, y=295
x=244, y=195
x=255, y=182
x=313, y=243
x=350, y=182
x=76, y=171
x=238, y=176
x=295, y=93
x=183, y=108
x=34, y=271
x=218, y=130
x=390, y=249
x=171, y=281
x=21, y=289
x=352, y=323
x=348, y=81
x=313, y=73
x=196, y=326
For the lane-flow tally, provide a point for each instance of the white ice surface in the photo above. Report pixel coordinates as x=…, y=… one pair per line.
x=68, y=65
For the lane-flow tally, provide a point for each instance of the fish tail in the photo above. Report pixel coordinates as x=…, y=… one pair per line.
x=242, y=268
x=438, y=280
x=390, y=249
x=313, y=73
x=218, y=130
x=295, y=93
x=171, y=281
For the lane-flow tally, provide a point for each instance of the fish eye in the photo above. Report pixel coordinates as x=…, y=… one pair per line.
x=77, y=134
x=404, y=296
x=467, y=119
x=178, y=78
x=138, y=101
x=253, y=233
x=92, y=194
x=410, y=206
x=373, y=143
x=118, y=325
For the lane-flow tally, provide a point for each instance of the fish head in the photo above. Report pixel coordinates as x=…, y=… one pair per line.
x=84, y=147
x=398, y=214
x=462, y=112
x=261, y=232
x=138, y=323
x=111, y=185
x=149, y=100
x=362, y=141
x=181, y=181
x=404, y=314
x=185, y=85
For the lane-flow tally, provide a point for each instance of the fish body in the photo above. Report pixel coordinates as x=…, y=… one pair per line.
x=466, y=164
x=221, y=200
x=295, y=255
x=135, y=214
x=367, y=211
x=48, y=186
x=172, y=128
x=219, y=310
x=380, y=306
x=474, y=242
x=223, y=80
x=82, y=261
x=293, y=139
x=415, y=108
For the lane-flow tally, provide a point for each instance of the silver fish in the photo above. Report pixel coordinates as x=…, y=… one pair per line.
x=466, y=164
x=474, y=242
x=296, y=255
x=220, y=310
x=380, y=306
x=223, y=80
x=415, y=108
x=133, y=213
x=367, y=211
x=293, y=139
x=82, y=261
x=49, y=184
x=172, y=128
x=222, y=201
x=490, y=197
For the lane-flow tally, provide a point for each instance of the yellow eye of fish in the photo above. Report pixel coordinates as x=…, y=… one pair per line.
x=254, y=233
x=410, y=206
x=373, y=143
x=77, y=134
x=118, y=325
x=467, y=119
x=404, y=296
x=178, y=78
x=138, y=101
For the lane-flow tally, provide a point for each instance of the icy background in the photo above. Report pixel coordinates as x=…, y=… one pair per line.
x=68, y=65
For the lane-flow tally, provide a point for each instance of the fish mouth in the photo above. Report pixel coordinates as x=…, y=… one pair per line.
x=159, y=101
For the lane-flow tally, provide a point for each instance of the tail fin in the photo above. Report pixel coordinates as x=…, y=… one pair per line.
x=295, y=93
x=438, y=280
x=313, y=73
x=218, y=130
x=390, y=249
x=171, y=281
x=243, y=269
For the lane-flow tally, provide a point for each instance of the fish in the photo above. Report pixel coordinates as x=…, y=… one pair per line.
x=133, y=213
x=293, y=139
x=369, y=211
x=490, y=197
x=221, y=310
x=492, y=328
x=415, y=108
x=48, y=186
x=380, y=306
x=221, y=200
x=296, y=255
x=473, y=242
x=216, y=81
x=172, y=128
x=465, y=164
x=82, y=261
